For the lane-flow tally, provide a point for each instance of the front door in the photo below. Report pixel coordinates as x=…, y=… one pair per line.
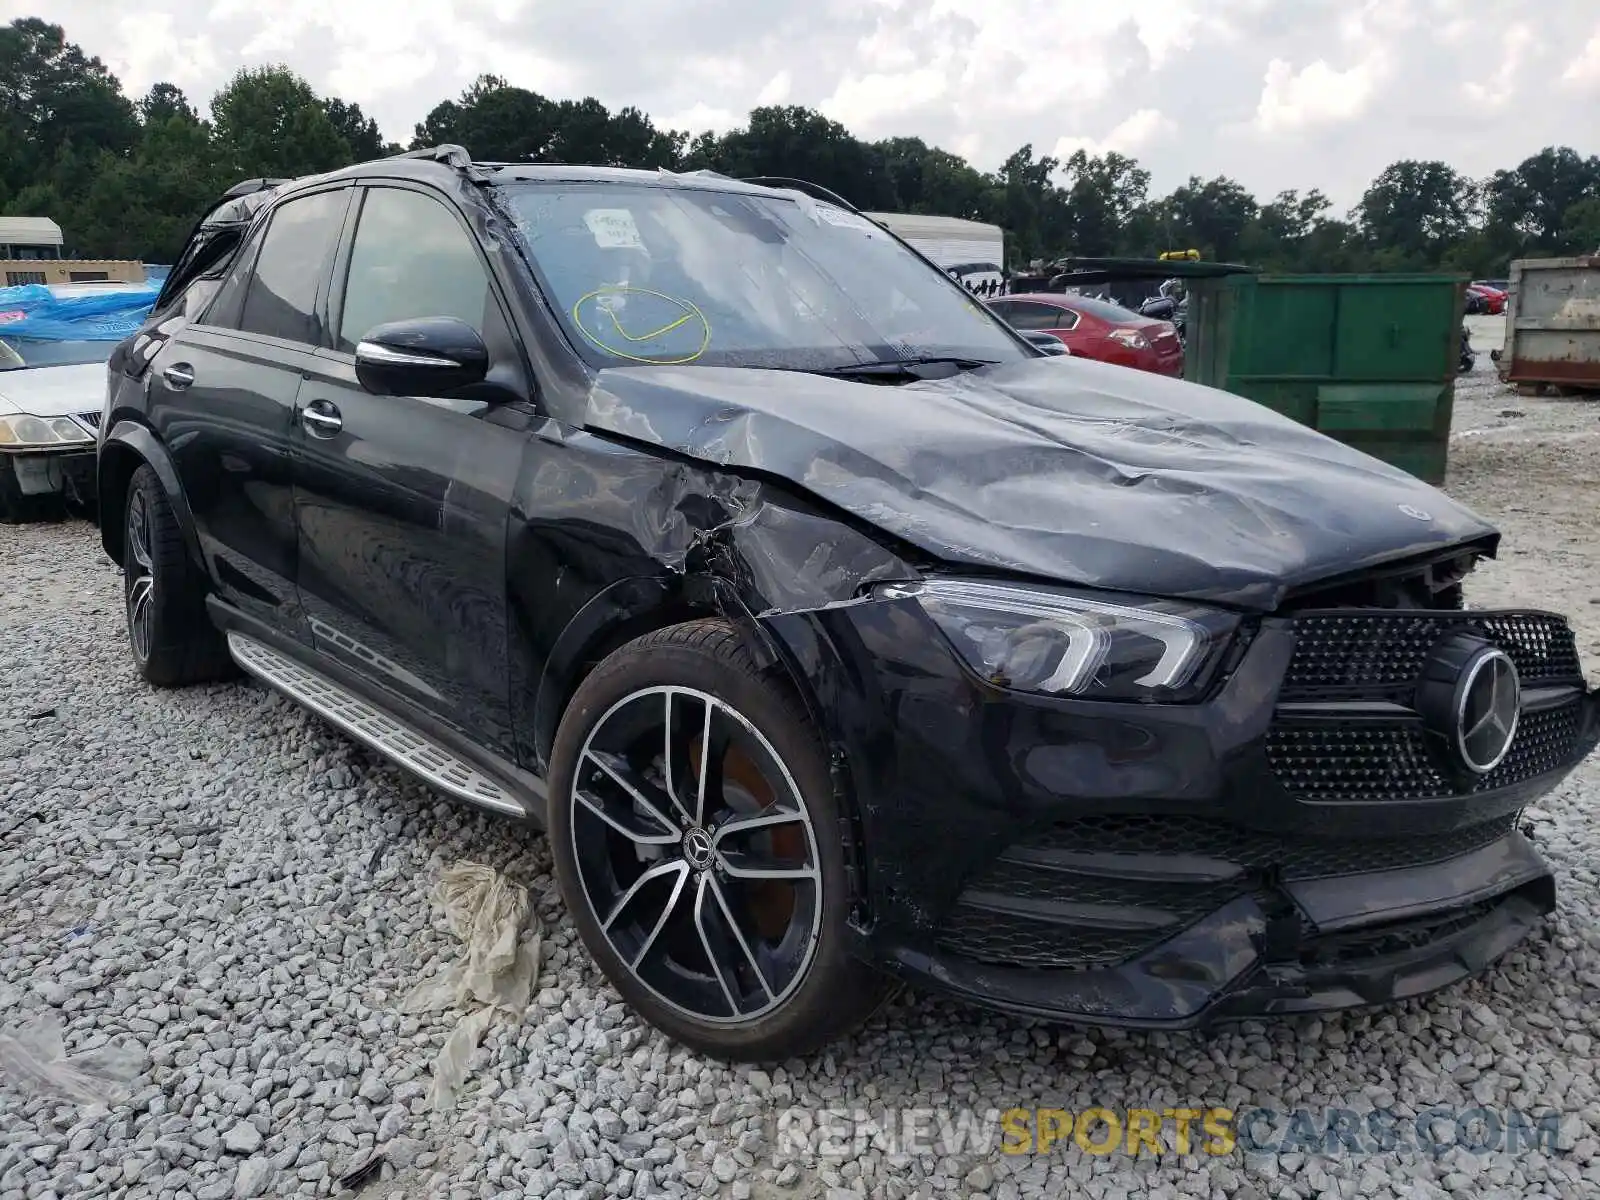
x=402, y=501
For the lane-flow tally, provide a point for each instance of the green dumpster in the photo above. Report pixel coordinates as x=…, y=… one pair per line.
x=1368, y=359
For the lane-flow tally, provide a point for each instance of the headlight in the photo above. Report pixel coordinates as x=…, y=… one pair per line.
x=1071, y=644
x=41, y=431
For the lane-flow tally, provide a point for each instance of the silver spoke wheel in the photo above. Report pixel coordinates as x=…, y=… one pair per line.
x=140, y=579
x=696, y=854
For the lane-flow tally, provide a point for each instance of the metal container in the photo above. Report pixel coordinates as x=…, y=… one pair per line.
x=1553, y=323
x=1367, y=359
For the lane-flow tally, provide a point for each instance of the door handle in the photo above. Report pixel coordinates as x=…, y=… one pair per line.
x=178, y=376
x=321, y=419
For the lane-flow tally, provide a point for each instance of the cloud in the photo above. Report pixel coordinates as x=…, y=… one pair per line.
x=1583, y=72
x=1500, y=87
x=1142, y=129
x=1274, y=93
x=777, y=89
x=701, y=117
x=866, y=102
x=1295, y=101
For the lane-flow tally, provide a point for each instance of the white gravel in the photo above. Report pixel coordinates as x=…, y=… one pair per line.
x=225, y=882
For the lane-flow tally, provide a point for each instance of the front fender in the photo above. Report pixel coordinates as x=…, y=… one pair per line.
x=123, y=450
x=626, y=609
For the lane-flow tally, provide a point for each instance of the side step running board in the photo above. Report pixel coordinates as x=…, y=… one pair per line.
x=365, y=722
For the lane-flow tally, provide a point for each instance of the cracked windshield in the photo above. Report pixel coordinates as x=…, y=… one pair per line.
x=680, y=276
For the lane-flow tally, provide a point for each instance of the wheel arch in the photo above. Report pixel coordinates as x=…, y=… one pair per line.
x=627, y=609
x=127, y=447
x=632, y=608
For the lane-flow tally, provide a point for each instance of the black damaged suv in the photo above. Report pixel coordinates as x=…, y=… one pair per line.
x=834, y=633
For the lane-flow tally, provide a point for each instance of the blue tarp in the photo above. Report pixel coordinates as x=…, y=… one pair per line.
x=108, y=315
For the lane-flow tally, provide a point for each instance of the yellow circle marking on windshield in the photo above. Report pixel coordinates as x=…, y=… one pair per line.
x=691, y=312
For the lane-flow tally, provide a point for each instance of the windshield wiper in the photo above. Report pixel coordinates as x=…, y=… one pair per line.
x=931, y=367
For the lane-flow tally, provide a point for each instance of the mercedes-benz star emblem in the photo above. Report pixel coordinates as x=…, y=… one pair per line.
x=1489, y=706
x=697, y=848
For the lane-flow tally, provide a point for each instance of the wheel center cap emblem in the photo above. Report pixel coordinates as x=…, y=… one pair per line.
x=697, y=849
x=1486, y=721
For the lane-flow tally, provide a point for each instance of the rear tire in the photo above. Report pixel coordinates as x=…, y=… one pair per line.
x=172, y=638
x=698, y=847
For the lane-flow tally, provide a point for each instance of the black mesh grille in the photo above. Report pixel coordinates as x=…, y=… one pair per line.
x=1038, y=883
x=1295, y=858
x=1379, y=655
x=1375, y=761
x=1004, y=940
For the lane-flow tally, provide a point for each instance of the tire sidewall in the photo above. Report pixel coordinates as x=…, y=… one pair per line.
x=797, y=1021
x=140, y=488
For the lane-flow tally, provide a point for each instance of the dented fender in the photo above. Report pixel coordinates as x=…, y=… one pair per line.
x=608, y=541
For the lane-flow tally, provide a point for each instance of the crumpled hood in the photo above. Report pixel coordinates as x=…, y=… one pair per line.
x=1067, y=469
x=54, y=391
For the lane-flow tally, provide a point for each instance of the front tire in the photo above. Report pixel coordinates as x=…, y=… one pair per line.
x=697, y=845
x=171, y=636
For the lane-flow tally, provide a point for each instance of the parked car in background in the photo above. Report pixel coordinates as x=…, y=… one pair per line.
x=832, y=631
x=1481, y=298
x=1097, y=329
x=54, y=343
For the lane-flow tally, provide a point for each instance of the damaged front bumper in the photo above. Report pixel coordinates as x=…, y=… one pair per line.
x=1299, y=842
x=1316, y=945
x=68, y=472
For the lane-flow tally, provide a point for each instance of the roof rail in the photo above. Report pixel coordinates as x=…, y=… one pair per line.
x=815, y=190
x=248, y=187
x=452, y=156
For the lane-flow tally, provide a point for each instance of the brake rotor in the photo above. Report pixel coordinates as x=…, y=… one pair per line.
x=747, y=791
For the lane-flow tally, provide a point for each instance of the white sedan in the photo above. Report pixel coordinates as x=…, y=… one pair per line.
x=51, y=393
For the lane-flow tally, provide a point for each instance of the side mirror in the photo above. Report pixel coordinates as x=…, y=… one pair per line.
x=428, y=356
x=1048, y=342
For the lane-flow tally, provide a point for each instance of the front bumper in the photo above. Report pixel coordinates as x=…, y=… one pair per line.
x=1296, y=843
x=1316, y=945
x=68, y=471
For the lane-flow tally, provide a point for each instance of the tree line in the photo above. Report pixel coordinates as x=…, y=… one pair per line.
x=126, y=177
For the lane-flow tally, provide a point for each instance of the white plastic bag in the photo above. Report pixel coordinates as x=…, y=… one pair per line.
x=487, y=912
x=34, y=1062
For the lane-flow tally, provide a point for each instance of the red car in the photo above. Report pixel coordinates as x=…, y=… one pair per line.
x=1491, y=300
x=1096, y=329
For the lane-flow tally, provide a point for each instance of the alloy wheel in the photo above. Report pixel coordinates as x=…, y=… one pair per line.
x=696, y=854
x=141, y=580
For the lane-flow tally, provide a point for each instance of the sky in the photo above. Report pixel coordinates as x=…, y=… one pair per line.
x=1274, y=93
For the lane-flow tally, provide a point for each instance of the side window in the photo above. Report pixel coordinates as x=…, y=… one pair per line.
x=299, y=241
x=1065, y=318
x=1026, y=315
x=229, y=298
x=411, y=258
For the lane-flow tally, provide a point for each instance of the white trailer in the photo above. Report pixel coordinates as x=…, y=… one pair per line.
x=970, y=250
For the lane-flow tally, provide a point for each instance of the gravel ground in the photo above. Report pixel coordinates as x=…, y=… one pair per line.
x=242, y=893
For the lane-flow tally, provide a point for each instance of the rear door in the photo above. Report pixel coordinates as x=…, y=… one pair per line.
x=222, y=396
x=402, y=501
